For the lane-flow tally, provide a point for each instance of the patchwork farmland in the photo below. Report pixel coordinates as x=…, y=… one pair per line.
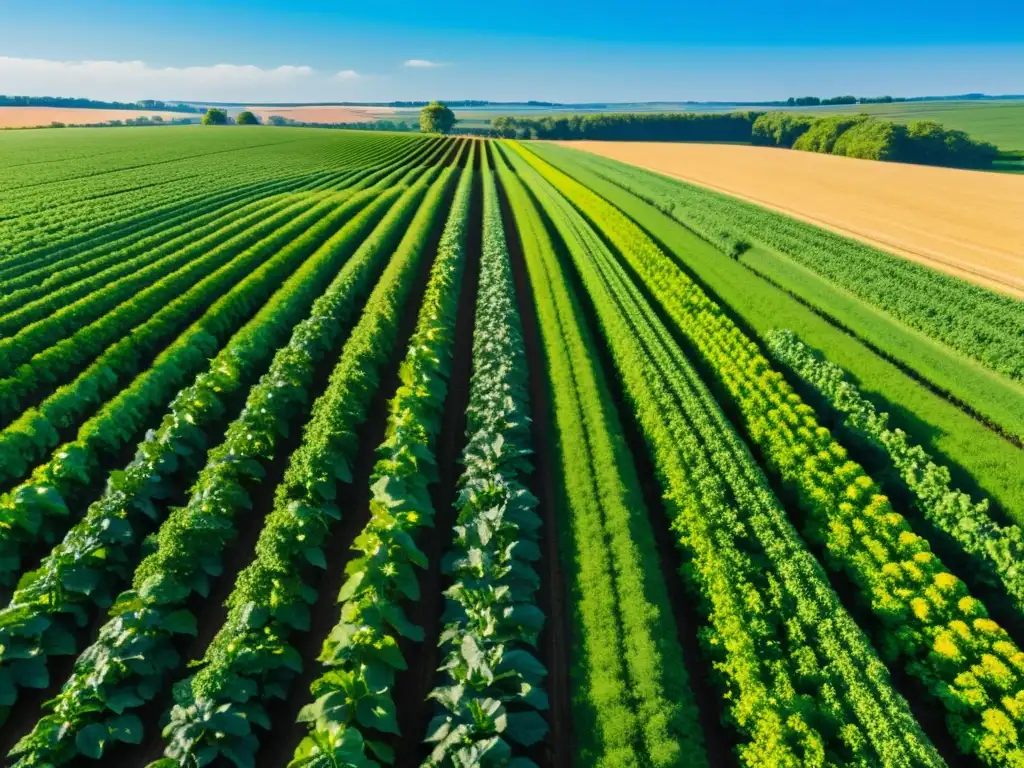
x=331, y=448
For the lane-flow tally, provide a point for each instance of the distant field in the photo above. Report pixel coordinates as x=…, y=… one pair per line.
x=1000, y=123
x=966, y=223
x=320, y=114
x=30, y=117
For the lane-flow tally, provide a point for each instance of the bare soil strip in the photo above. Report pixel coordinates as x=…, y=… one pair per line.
x=965, y=223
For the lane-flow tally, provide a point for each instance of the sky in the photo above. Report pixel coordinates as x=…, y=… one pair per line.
x=567, y=51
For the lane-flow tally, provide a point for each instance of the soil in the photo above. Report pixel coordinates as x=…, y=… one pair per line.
x=964, y=223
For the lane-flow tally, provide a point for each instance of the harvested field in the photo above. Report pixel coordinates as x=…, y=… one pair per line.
x=325, y=114
x=31, y=117
x=966, y=223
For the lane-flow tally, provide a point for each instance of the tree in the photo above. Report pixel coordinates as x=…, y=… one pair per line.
x=277, y=120
x=437, y=118
x=215, y=117
x=247, y=118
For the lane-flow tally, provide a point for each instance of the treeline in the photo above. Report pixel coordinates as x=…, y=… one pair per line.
x=68, y=102
x=924, y=142
x=642, y=126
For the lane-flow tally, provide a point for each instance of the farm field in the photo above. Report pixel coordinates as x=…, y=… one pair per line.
x=340, y=448
x=1001, y=123
x=326, y=114
x=31, y=117
x=962, y=222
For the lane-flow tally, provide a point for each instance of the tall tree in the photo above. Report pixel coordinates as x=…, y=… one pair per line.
x=215, y=117
x=437, y=117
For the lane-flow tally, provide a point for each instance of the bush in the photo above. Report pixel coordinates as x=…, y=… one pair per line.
x=437, y=118
x=872, y=140
x=825, y=132
x=780, y=129
x=247, y=118
x=215, y=117
x=929, y=143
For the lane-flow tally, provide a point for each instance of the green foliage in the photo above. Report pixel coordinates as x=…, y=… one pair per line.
x=930, y=623
x=824, y=133
x=190, y=544
x=361, y=656
x=491, y=684
x=759, y=585
x=215, y=116
x=647, y=126
x=100, y=550
x=972, y=320
x=245, y=117
x=628, y=646
x=871, y=140
x=251, y=659
x=996, y=548
x=780, y=129
x=437, y=117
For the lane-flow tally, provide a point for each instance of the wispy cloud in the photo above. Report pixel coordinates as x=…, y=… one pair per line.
x=130, y=80
x=424, y=64
x=347, y=74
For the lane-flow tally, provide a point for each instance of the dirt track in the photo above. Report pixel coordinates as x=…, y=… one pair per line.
x=967, y=223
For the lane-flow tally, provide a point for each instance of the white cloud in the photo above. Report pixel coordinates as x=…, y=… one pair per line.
x=424, y=64
x=132, y=80
x=347, y=74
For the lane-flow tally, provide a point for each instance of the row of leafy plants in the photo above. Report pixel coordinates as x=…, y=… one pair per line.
x=135, y=649
x=490, y=692
x=120, y=301
x=634, y=704
x=55, y=601
x=149, y=350
x=37, y=429
x=353, y=717
x=28, y=293
x=43, y=217
x=802, y=683
x=33, y=269
x=999, y=549
x=252, y=660
x=926, y=617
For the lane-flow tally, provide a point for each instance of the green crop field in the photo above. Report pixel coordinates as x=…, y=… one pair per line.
x=1001, y=123
x=341, y=449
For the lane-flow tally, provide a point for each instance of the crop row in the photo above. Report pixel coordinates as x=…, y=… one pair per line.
x=110, y=676
x=927, y=618
x=802, y=681
x=999, y=549
x=252, y=659
x=94, y=561
x=134, y=233
x=70, y=219
x=33, y=510
x=630, y=666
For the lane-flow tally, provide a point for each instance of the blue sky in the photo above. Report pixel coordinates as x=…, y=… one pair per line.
x=533, y=49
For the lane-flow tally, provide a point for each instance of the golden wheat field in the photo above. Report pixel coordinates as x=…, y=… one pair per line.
x=967, y=223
